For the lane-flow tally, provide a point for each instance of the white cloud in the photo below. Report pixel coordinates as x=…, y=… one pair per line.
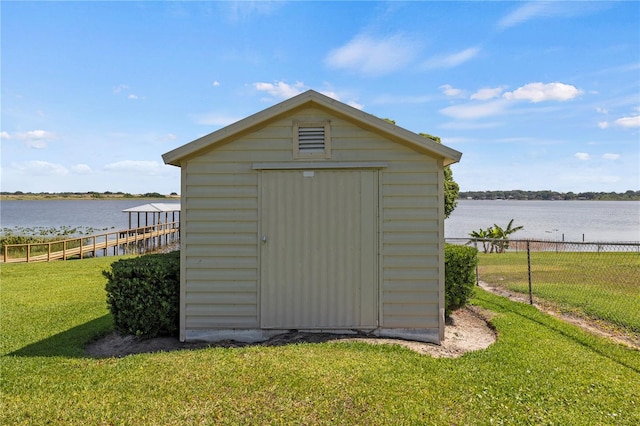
x=486, y=94
x=628, y=121
x=120, y=88
x=41, y=168
x=331, y=94
x=373, y=56
x=337, y=97
x=37, y=139
x=549, y=9
x=216, y=83
x=136, y=167
x=449, y=90
x=524, y=13
x=582, y=156
x=32, y=134
x=473, y=111
x=215, y=119
x=240, y=11
x=81, y=169
x=452, y=60
x=602, y=110
x=280, y=89
x=491, y=103
x=609, y=156
x=539, y=92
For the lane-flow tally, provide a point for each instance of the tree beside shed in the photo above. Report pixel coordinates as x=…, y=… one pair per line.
x=312, y=215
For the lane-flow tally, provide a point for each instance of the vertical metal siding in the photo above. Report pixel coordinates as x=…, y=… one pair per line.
x=318, y=263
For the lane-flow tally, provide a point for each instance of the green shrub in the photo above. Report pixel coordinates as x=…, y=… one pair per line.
x=143, y=294
x=20, y=239
x=459, y=276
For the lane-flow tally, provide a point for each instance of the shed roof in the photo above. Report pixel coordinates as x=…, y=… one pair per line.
x=313, y=98
x=155, y=208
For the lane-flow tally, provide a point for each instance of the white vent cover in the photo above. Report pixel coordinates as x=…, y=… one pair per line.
x=311, y=139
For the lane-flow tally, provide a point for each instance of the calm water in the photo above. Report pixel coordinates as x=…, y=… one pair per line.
x=597, y=220
x=550, y=220
x=97, y=214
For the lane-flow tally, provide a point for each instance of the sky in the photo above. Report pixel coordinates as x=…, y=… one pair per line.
x=536, y=95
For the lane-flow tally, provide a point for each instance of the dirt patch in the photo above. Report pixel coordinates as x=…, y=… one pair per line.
x=468, y=330
x=590, y=325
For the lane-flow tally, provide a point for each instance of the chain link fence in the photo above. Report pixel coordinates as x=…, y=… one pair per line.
x=598, y=281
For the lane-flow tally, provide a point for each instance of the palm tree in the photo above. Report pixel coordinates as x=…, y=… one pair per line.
x=495, y=238
x=503, y=235
x=483, y=235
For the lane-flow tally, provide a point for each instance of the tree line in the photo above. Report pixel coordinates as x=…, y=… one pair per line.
x=89, y=194
x=549, y=195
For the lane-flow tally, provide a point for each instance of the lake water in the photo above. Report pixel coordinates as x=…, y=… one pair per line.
x=549, y=220
x=98, y=214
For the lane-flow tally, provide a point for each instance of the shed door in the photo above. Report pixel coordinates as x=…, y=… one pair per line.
x=318, y=255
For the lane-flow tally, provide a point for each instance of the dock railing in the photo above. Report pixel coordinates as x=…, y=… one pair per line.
x=142, y=239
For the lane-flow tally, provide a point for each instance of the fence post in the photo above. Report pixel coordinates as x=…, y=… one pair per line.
x=529, y=272
x=6, y=252
x=475, y=244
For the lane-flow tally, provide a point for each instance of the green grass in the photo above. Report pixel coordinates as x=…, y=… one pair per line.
x=602, y=286
x=540, y=371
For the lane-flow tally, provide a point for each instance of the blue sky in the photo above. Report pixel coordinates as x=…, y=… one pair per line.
x=537, y=95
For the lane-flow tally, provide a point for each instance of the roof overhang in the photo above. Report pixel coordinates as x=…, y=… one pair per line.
x=313, y=98
x=154, y=208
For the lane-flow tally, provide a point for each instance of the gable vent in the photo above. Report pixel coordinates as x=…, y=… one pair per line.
x=311, y=139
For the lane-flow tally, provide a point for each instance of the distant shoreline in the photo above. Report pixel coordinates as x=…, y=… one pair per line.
x=87, y=196
x=549, y=195
x=463, y=195
x=534, y=199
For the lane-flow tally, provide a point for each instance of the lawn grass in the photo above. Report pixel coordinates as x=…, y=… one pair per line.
x=540, y=371
x=602, y=286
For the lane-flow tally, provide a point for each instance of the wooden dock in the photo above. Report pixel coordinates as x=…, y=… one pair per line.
x=143, y=239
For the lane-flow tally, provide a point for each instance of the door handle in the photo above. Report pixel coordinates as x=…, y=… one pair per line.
x=264, y=238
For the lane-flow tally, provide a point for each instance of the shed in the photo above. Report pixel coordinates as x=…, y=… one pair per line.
x=312, y=215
